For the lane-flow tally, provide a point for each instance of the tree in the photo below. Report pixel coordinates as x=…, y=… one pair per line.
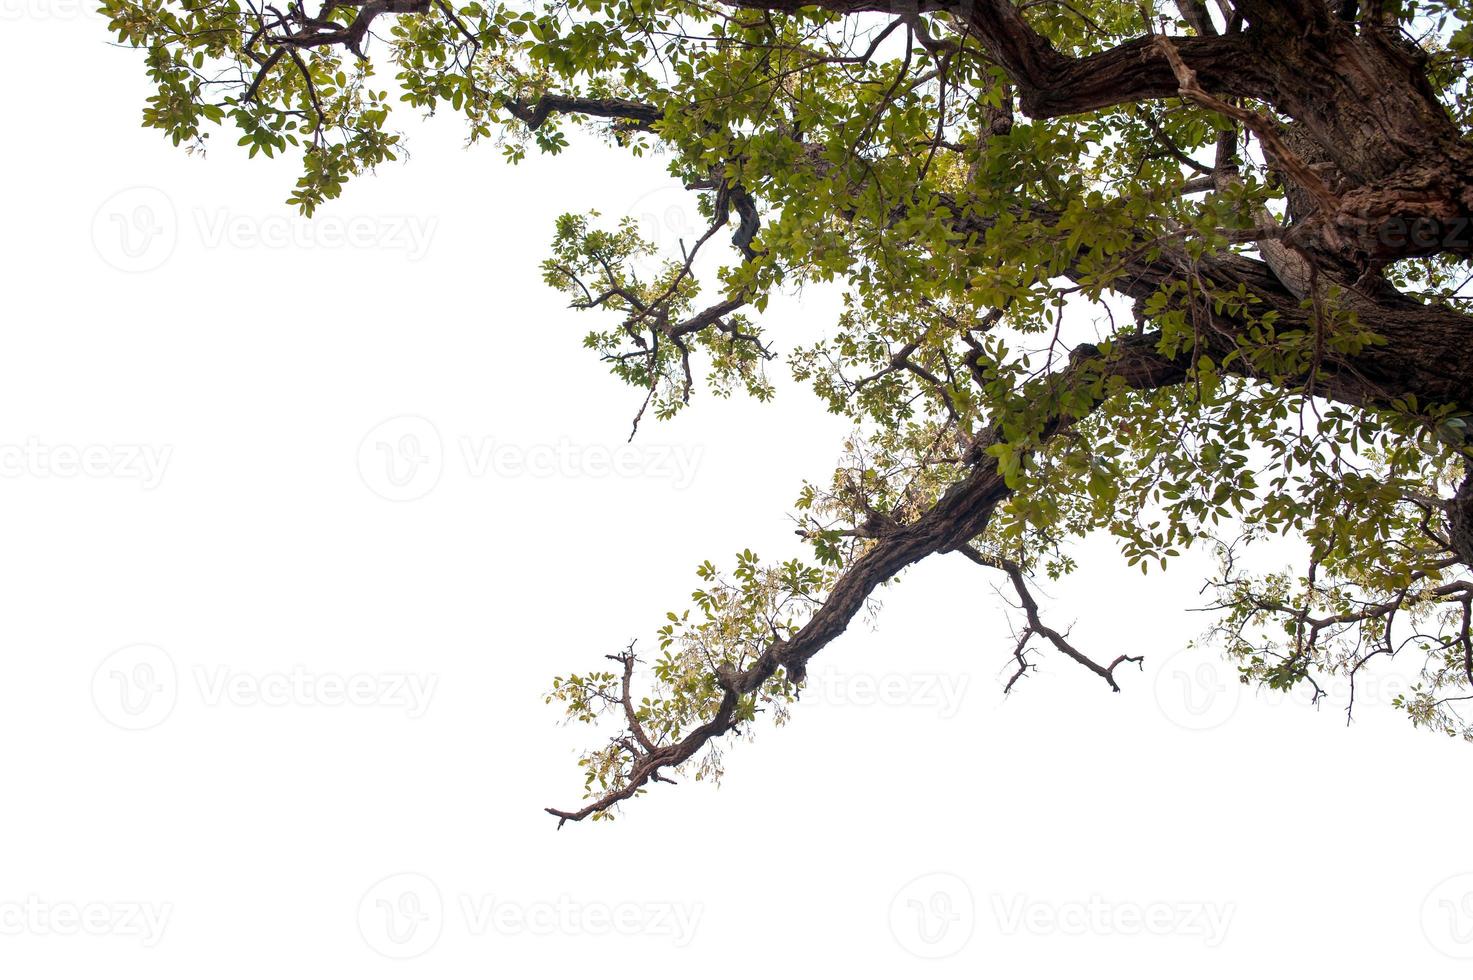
x=1190, y=275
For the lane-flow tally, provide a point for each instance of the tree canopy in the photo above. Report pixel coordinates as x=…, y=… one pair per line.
x=1189, y=273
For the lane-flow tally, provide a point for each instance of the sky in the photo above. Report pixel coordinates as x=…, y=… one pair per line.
x=299, y=519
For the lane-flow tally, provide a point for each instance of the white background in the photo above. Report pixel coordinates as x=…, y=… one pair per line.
x=1252, y=833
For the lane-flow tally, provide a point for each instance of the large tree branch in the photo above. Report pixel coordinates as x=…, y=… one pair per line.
x=1415, y=358
x=962, y=513
x=1051, y=83
x=636, y=115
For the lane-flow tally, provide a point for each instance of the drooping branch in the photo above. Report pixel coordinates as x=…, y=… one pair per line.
x=1037, y=626
x=1338, y=623
x=961, y=514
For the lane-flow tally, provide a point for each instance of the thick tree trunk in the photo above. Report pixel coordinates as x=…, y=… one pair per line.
x=1460, y=519
x=1386, y=148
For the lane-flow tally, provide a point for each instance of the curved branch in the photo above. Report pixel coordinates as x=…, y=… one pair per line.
x=961, y=514
x=637, y=115
x=1036, y=625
